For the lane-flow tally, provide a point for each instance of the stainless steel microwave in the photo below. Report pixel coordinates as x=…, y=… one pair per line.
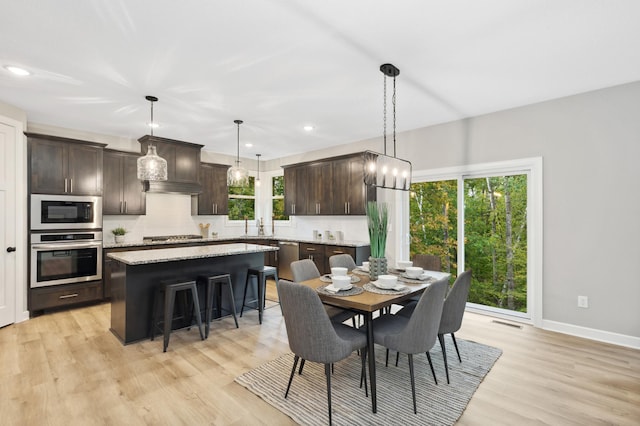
x=60, y=212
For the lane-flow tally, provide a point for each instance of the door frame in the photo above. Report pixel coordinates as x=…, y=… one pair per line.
x=532, y=166
x=20, y=202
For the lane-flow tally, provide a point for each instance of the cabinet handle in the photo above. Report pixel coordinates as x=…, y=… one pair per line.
x=310, y=249
x=120, y=210
x=70, y=185
x=69, y=296
x=338, y=252
x=348, y=208
x=65, y=184
x=125, y=206
x=213, y=208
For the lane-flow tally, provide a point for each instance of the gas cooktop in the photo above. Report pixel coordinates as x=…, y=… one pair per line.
x=172, y=238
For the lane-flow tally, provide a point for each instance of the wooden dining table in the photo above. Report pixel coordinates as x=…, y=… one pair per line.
x=367, y=303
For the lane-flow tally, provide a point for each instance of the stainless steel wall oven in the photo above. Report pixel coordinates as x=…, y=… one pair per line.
x=65, y=257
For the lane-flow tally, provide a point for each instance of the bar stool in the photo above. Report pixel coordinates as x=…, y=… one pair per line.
x=170, y=288
x=261, y=273
x=217, y=280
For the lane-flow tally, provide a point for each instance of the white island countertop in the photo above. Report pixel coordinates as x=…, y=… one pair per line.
x=141, y=257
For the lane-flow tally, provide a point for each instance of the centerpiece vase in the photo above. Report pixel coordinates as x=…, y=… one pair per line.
x=377, y=224
x=377, y=266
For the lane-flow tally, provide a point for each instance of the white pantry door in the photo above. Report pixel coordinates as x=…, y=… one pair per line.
x=8, y=283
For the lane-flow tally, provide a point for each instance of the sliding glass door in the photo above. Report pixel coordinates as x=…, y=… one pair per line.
x=489, y=233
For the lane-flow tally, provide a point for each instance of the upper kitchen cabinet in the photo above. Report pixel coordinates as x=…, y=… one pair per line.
x=350, y=194
x=307, y=189
x=319, y=183
x=183, y=158
x=290, y=190
x=331, y=186
x=214, y=199
x=64, y=166
x=123, y=192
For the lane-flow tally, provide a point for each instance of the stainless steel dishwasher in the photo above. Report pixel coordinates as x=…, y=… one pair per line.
x=288, y=253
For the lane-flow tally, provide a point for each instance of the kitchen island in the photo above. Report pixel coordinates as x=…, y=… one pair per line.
x=136, y=274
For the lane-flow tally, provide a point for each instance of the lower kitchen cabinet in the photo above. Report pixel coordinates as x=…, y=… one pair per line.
x=320, y=254
x=62, y=295
x=315, y=252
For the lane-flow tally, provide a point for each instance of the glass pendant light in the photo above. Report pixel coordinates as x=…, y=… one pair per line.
x=238, y=176
x=382, y=170
x=258, y=183
x=152, y=166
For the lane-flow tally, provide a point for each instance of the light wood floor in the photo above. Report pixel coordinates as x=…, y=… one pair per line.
x=66, y=368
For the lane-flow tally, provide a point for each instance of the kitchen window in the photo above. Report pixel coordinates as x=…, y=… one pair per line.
x=277, y=198
x=242, y=201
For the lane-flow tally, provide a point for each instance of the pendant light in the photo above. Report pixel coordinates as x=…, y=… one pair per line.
x=238, y=176
x=382, y=170
x=152, y=166
x=258, y=183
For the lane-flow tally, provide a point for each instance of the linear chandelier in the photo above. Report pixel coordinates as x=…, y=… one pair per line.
x=151, y=166
x=382, y=170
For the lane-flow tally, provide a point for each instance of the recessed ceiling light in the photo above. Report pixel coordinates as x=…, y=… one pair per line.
x=248, y=145
x=17, y=70
x=308, y=128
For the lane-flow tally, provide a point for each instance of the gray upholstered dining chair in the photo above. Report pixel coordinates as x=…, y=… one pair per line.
x=429, y=262
x=452, y=313
x=342, y=261
x=313, y=337
x=304, y=270
x=414, y=334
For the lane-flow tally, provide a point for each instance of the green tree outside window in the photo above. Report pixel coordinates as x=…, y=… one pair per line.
x=242, y=201
x=277, y=202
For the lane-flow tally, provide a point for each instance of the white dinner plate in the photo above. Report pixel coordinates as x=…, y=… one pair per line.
x=422, y=277
x=331, y=288
x=397, y=287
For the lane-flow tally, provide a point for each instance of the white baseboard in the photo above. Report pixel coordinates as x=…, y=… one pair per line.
x=592, y=333
x=23, y=317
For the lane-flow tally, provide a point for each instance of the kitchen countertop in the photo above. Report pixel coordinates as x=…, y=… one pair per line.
x=205, y=241
x=141, y=257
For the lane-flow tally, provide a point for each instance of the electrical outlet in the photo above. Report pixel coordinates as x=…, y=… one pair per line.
x=583, y=302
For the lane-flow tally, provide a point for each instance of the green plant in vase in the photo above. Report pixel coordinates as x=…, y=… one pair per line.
x=119, y=233
x=378, y=225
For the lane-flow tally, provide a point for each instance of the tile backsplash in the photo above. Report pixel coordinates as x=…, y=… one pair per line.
x=170, y=214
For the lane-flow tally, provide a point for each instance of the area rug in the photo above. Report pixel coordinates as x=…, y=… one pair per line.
x=440, y=404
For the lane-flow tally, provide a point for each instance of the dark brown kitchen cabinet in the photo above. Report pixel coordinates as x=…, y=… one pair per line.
x=56, y=296
x=183, y=158
x=64, y=166
x=290, y=190
x=214, y=199
x=123, y=192
x=315, y=252
x=332, y=186
x=318, y=185
x=350, y=194
x=307, y=189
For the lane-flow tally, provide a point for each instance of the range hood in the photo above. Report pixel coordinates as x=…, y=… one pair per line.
x=169, y=187
x=183, y=166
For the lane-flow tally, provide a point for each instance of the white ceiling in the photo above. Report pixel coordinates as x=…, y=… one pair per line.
x=282, y=64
